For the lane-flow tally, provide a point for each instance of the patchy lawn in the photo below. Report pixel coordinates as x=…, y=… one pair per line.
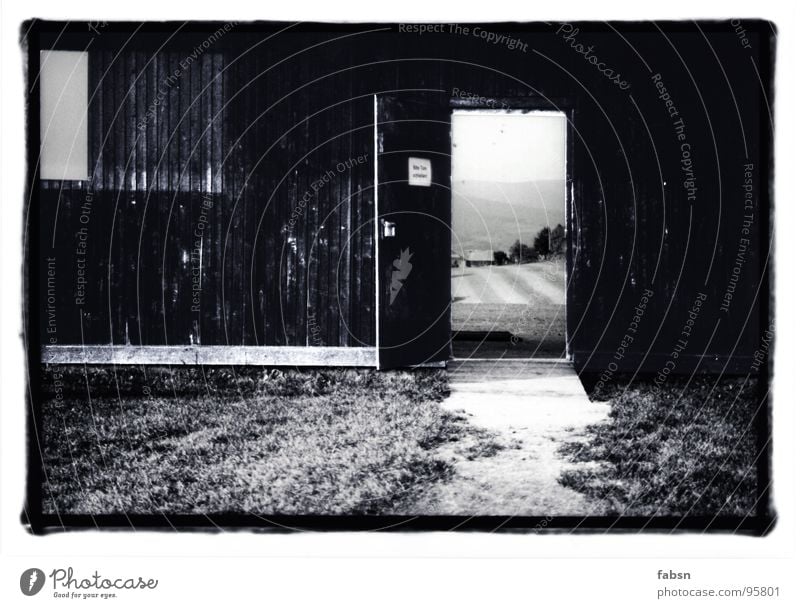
x=674, y=450
x=194, y=440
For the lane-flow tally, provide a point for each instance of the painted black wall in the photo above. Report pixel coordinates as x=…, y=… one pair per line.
x=267, y=109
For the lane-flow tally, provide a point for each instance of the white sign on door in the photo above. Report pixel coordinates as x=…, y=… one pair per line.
x=419, y=171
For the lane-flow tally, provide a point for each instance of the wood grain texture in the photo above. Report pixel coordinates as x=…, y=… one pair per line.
x=221, y=214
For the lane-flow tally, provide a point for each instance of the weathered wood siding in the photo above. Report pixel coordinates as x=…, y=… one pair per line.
x=222, y=209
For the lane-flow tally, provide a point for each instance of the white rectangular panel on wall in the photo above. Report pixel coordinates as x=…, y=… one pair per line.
x=64, y=97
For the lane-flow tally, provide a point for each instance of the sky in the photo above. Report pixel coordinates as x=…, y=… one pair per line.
x=508, y=177
x=508, y=146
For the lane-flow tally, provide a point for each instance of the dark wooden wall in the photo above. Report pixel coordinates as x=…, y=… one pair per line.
x=279, y=187
x=283, y=106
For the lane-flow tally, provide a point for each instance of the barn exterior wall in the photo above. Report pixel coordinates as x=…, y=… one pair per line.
x=658, y=219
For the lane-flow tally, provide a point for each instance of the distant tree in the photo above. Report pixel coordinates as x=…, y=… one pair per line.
x=541, y=244
x=520, y=253
x=500, y=258
x=558, y=240
x=515, y=253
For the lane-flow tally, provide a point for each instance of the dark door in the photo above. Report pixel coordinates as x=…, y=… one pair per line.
x=413, y=172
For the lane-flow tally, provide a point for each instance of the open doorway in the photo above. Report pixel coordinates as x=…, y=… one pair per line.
x=509, y=242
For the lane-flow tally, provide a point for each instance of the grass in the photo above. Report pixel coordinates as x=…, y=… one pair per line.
x=214, y=440
x=675, y=450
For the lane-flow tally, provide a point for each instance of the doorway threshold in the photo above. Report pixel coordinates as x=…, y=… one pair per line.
x=514, y=360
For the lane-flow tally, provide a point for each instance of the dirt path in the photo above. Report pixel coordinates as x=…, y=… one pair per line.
x=535, y=407
x=531, y=284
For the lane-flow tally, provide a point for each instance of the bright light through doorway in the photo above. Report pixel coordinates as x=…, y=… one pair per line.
x=509, y=232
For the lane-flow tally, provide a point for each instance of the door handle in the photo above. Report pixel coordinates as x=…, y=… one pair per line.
x=388, y=229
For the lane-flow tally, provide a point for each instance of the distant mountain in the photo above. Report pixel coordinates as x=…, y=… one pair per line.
x=492, y=215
